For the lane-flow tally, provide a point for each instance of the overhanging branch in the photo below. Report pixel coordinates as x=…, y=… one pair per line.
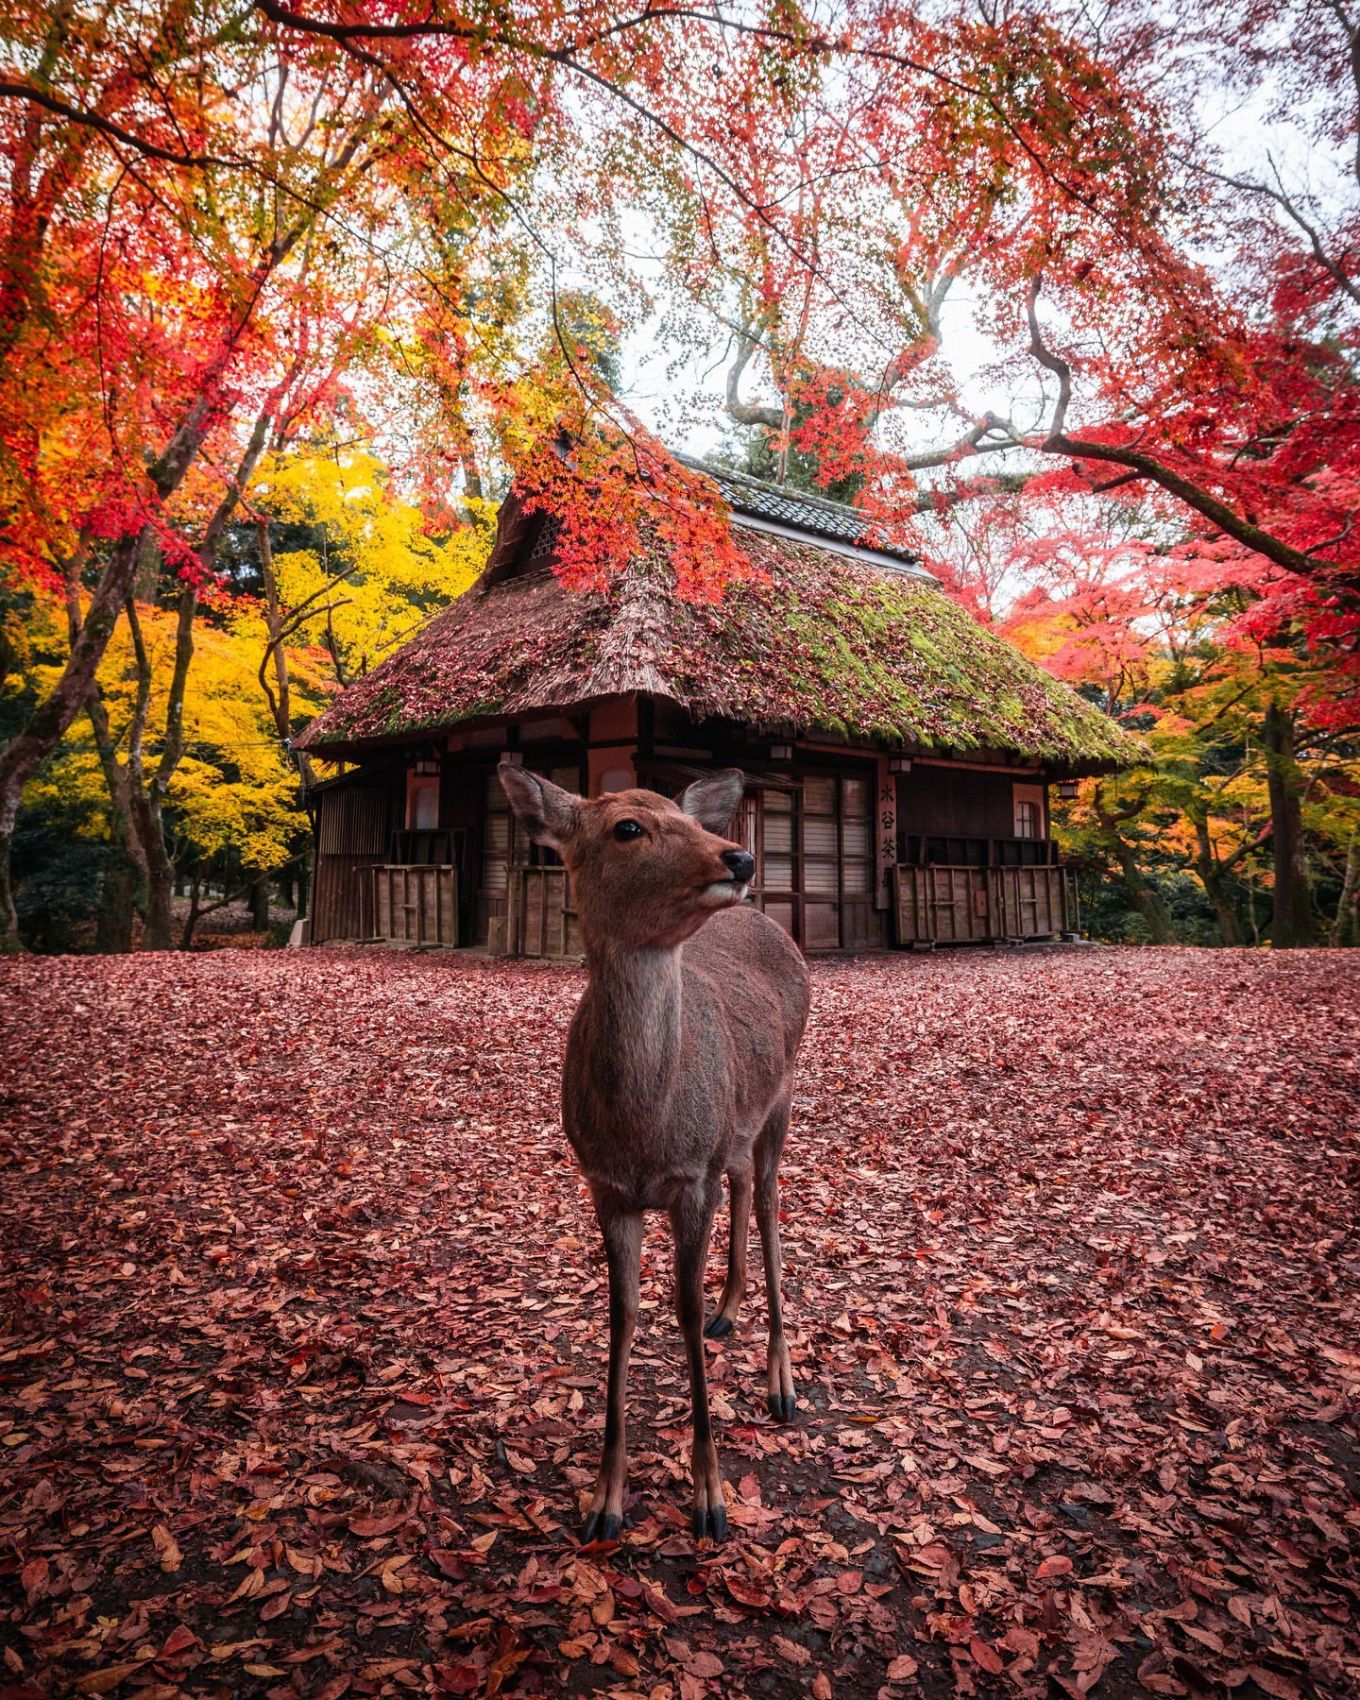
x=1143, y=465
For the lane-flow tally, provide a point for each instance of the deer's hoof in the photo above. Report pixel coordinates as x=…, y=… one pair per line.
x=782, y=1407
x=601, y=1526
x=710, y=1521
x=718, y=1326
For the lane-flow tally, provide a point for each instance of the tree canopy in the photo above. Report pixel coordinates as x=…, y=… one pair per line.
x=238, y=245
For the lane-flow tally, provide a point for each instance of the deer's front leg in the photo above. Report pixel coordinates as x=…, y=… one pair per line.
x=623, y=1250
x=691, y=1222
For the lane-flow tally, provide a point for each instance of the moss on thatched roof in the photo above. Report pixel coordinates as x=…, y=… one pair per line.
x=817, y=642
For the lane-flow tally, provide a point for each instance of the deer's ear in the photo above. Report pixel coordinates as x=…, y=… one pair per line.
x=545, y=811
x=712, y=801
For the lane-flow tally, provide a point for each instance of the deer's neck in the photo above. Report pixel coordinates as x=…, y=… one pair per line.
x=635, y=999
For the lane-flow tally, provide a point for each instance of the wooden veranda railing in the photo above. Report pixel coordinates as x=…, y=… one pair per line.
x=938, y=904
x=543, y=921
x=416, y=903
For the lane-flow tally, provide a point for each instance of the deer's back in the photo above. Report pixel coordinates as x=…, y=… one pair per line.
x=746, y=997
x=752, y=964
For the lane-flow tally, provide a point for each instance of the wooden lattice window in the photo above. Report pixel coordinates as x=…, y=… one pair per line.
x=495, y=839
x=545, y=542
x=777, y=872
x=857, y=850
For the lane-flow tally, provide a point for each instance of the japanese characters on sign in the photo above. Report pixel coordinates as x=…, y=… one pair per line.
x=885, y=834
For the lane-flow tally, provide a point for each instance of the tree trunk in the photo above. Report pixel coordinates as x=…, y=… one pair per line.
x=1147, y=900
x=149, y=797
x=127, y=876
x=118, y=905
x=1212, y=878
x=275, y=657
x=10, y=942
x=259, y=904
x=1292, y=921
x=48, y=722
x=158, y=932
x=124, y=880
x=1143, y=894
x=191, y=919
x=1346, y=927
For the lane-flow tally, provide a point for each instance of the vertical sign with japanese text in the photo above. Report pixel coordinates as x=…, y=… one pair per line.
x=885, y=834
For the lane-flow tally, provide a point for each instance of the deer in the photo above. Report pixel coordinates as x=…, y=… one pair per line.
x=679, y=1070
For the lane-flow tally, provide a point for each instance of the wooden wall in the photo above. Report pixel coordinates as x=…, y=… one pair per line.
x=543, y=920
x=506, y=850
x=822, y=837
x=415, y=904
x=954, y=905
x=950, y=802
x=356, y=817
x=812, y=838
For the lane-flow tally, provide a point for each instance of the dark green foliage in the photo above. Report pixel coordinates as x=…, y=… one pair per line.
x=1108, y=914
x=59, y=880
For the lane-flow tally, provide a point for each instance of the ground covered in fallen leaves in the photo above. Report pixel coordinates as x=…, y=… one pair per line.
x=302, y=1333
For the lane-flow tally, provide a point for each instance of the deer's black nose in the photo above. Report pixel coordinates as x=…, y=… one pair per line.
x=741, y=862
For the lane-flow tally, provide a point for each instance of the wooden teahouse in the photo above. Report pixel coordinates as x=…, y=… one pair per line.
x=900, y=756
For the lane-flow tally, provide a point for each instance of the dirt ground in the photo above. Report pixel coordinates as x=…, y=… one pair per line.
x=302, y=1335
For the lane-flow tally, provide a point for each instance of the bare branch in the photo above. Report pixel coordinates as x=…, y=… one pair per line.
x=1143, y=465
x=978, y=441
x=106, y=127
x=1051, y=362
x=748, y=412
x=1291, y=210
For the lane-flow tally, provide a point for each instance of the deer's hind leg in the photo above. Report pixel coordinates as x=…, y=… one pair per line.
x=768, y=1150
x=739, y=1184
x=691, y=1220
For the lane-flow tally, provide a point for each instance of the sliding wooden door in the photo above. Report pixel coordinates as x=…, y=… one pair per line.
x=813, y=844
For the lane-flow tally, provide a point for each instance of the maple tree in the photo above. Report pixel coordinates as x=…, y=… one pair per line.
x=228, y=789
x=354, y=567
x=1216, y=398
x=215, y=221
x=221, y=682
x=225, y=200
x=1252, y=774
x=1229, y=390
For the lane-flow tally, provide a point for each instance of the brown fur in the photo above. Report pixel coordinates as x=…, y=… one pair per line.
x=679, y=1068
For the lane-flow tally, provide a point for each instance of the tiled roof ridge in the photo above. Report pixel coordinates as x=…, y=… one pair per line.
x=817, y=516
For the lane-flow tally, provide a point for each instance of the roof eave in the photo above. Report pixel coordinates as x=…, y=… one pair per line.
x=1054, y=766
x=835, y=546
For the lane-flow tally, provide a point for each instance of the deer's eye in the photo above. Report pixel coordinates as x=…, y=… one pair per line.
x=627, y=829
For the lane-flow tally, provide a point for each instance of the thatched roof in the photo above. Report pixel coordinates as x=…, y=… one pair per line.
x=818, y=643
